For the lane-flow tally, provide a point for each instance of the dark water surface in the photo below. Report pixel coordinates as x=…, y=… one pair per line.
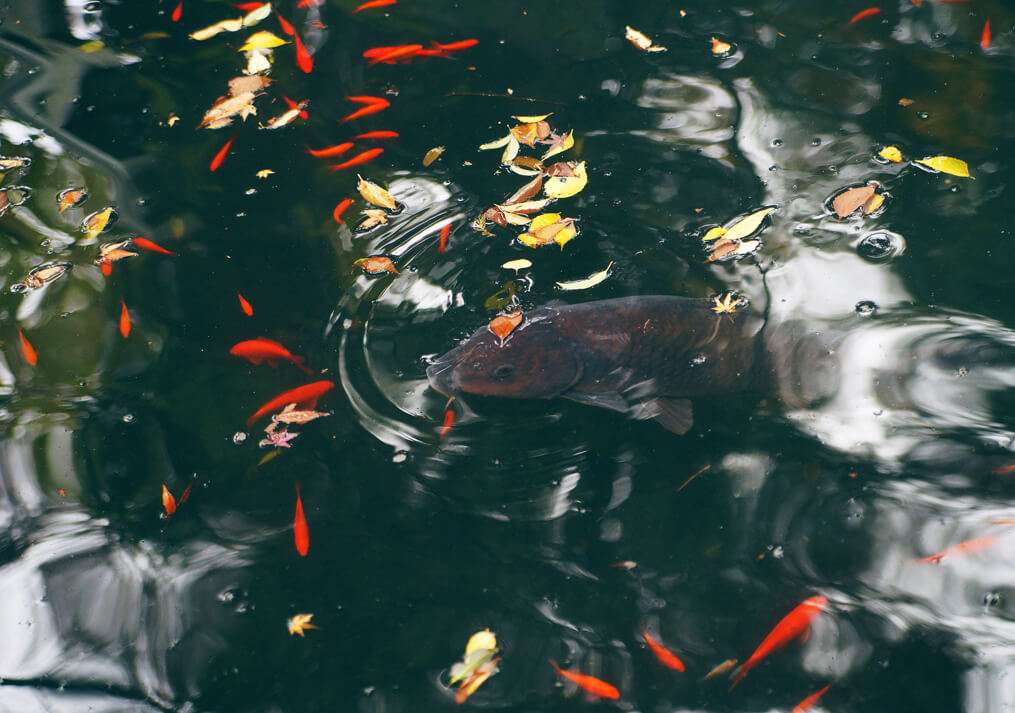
x=881, y=447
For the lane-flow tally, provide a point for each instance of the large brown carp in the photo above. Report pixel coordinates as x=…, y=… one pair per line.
x=645, y=356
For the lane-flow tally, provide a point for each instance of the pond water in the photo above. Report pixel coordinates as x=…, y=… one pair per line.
x=883, y=435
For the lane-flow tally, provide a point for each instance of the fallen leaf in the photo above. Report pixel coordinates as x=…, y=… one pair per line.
x=720, y=48
x=41, y=275
x=725, y=305
x=262, y=40
x=945, y=164
x=264, y=173
x=497, y=144
x=258, y=62
x=591, y=281
x=70, y=198
x=747, y=225
x=874, y=203
x=9, y=162
x=567, y=181
x=503, y=324
x=225, y=109
x=172, y=119
x=432, y=155
x=287, y=117
x=206, y=33
x=376, y=265
x=548, y=228
x=641, y=40
x=299, y=623
x=714, y=233
x=375, y=195
x=560, y=144
x=891, y=154
x=291, y=415
x=372, y=218
x=526, y=192
x=476, y=666
x=849, y=201
x=98, y=222
x=517, y=265
x=906, y=101
x=723, y=249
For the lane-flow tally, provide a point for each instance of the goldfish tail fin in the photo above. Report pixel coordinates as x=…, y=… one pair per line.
x=555, y=666
x=300, y=363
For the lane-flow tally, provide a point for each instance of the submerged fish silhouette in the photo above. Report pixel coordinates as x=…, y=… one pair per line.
x=645, y=356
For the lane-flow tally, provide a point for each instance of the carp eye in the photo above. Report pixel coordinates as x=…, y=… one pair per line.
x=503, y=372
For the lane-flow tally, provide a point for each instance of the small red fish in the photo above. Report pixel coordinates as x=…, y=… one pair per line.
x=286, y=26
x=260, y=350
x=963, y=548
x=27, y=350
x=442, y=241
x=301, y=533
x=449, y=421
x=367, y=110
x=221, y=155
x=341, y=208
x=372, y=4
x=304, y=114
x=985, y=35
x=168, y=501
x=303, y=57
x=247, y=6
x=375, y=52
x=331, y=151
x=367, y=100
x=186, y=494
x=306, y=395
x=177, y=13
x=455, y=46
x=808, y=702
x=124, y=320
x=1005, y=469
x=666, y=657
x=146, y=244
x=863, y=14
x=357, y=160
x=377, y=135
x=590, y=684
x=247, y=308
x=396, y=53
x=793, y=625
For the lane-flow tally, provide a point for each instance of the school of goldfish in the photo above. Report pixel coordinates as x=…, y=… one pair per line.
x=296, y=406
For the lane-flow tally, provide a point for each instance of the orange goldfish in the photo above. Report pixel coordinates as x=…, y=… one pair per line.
x=261, y=350
x=590, y=684
x=793, y=625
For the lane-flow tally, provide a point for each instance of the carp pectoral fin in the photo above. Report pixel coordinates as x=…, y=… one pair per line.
x=675, y=415
x=612, y=400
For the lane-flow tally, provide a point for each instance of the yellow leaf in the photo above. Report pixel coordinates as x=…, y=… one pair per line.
x=549, y=228
x=891, y=153
x=375, y=195
x=92, y=47
x=567, y=186
x=641, y=40
x=720, y=48
x=484, y=640
x=516, y=265
x=432, y=155
x=256, y=15
x=541, y=221
x=299, y=623
x=499, y=143
x=219, y=27
x=714, y=234
x=510, y=151
x=591, y=281
x=97, y=222
x=748, y=225
x=173, y=118
x=262, y=40
x=565, y=235
x=532, y=119
x=946, y=164
x=264, y=173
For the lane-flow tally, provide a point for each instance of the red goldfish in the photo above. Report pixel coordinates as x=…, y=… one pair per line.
x=330, y=151
x=285, y=25
x=303, y=58
x=146, y=244
x=221, y=155
x=590, y=684
x=378, y=135
x=371, y=105
x=306, y=395
x=863, y=14
x=124, y=320
x=301, y=533
x=455, y=46
x=247, y=308
x=341, y=208
x=177, y=12
x=261, y=350
x=793, y=625
x=373, y=4
x=396, y=53
x=442, y=241
x=357, y=160
x=985, y=35
x=27, y=350
x=666, y=657
x=808, y=702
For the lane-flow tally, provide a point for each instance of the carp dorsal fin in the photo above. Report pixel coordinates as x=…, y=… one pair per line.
x=675, y=415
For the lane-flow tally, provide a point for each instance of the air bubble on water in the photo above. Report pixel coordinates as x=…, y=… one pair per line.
x=773, y=168
x=922, y=115
x=128, y=418
x=239, y=437
x=250, y=192
x=698, y=360
x=816, y=141
x=866, y=308
x=880, y=246
x=241, y=215
x=227, y=596
x=802, y=229
x=992, y=599
x=777, y=142
x=878, y=412
x=778, y=552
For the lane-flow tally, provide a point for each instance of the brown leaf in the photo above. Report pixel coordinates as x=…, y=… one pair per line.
x=847, y=202
x=526, y=192
x=496, y=215
x=432, y=155
x=376, y=265
x=70, y=198
x=252, y=84
x=528, y=162
x=723, y=248
x=503, y=324
x=372, y=218
x=526, y=134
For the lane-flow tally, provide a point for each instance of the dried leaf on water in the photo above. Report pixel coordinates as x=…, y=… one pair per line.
x=641, y=40
x=560, y=144
x=375, y=195
x=233, y=25
x=262, y=40
x=299, y=623
x=478, y=664
x=517, y=265
x=892, y=154
x=591, y=281
x=714, y=233
x=527, y=192
x=372, y=218
x=8, y=163
x=850, y=200
x=720, y=48
x=98, y=222
x=548, y=228
x=945, y=164
x=566, y=179
x=291, y=415
x=748, y=225
x=264, y=173
x=502, y=325
x=225, y=109
x=41, y=275
x=376, y=265
x=432, y=155
x=70, y=198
